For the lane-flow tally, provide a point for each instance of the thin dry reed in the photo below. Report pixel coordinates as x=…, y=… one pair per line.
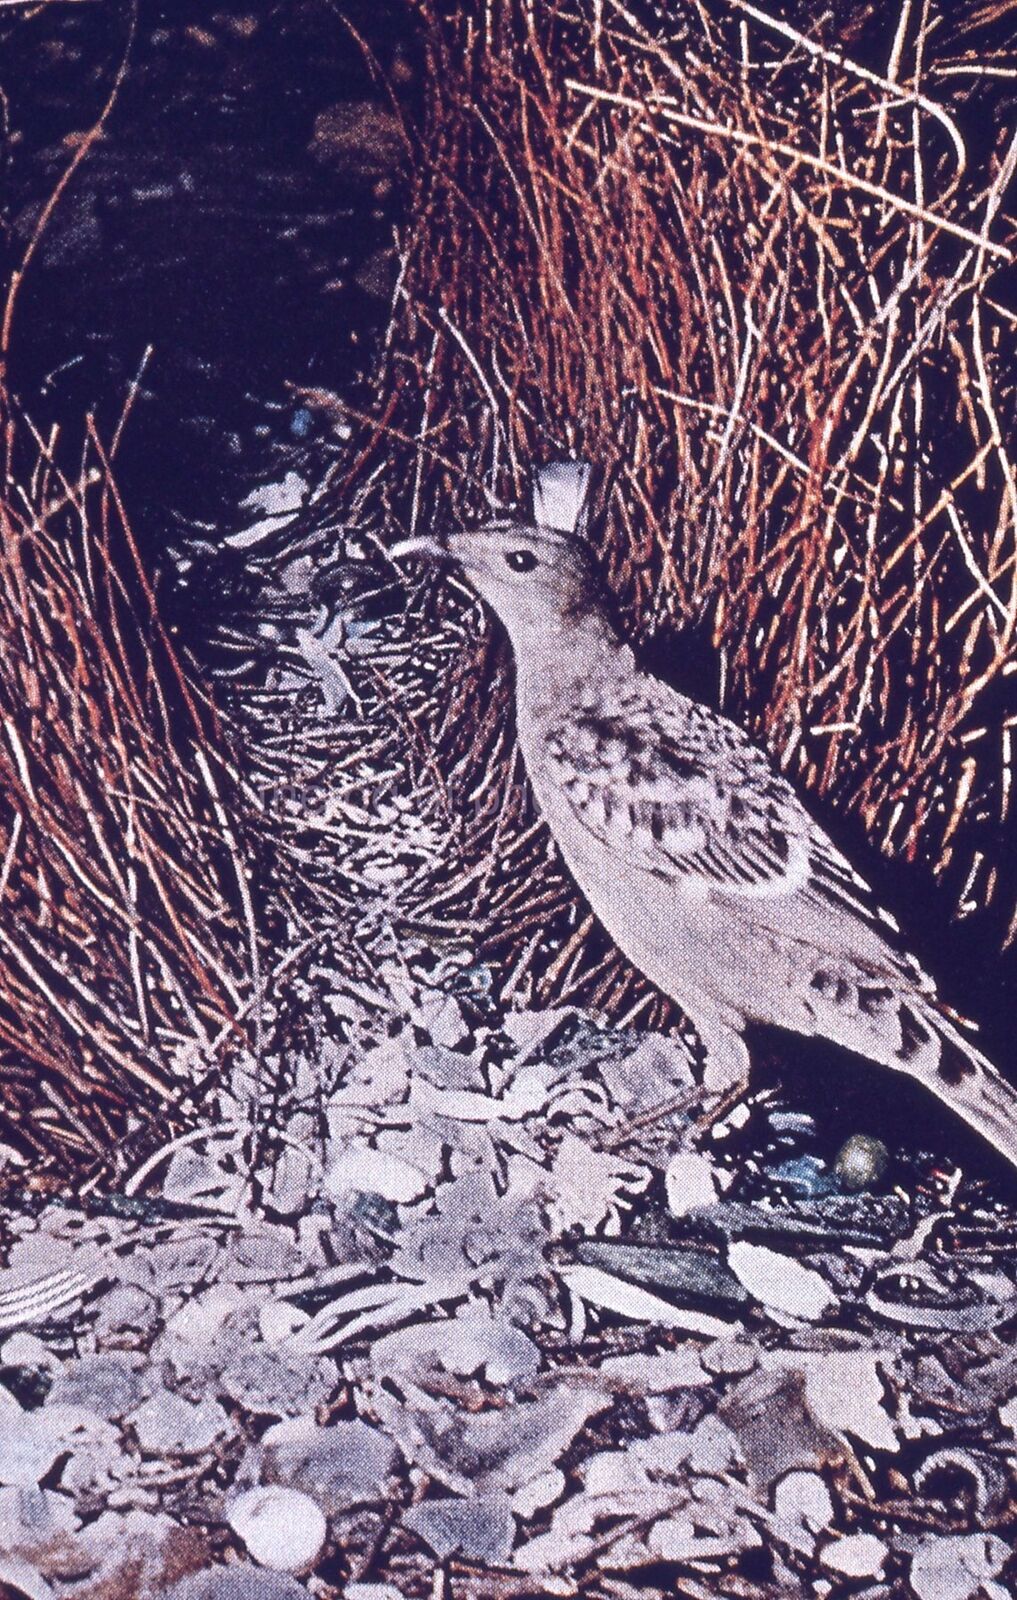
x=124, y=968
x=757, y=265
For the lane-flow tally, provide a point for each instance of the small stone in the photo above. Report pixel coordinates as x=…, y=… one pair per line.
x=861, y=1162
x=344, y=1465
x=472, y=1343
x=958, y=1567
x=857, y=1555
x=715, y=1451
x=168, y=1425
x=802, y=1504
x=238, y=1581
x=482, y=1529
x=23, y=1351
x=202, y=1318
x=126, y=1314
x=27, y=1452
x=278, y=1321
x=280, y=1528
x=261, y=1380
x=107, y=1384
x=689, y=1182
x=539, y=1493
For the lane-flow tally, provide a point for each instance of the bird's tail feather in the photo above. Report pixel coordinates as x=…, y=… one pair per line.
x=967, y=1082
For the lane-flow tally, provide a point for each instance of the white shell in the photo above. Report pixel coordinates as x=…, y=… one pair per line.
x=280, y=1528
x=779, y=1282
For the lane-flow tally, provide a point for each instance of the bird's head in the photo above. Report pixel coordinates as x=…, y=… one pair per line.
x=537, y=578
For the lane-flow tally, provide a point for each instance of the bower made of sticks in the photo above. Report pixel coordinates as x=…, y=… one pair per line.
x=756, y=266
x=125, y=967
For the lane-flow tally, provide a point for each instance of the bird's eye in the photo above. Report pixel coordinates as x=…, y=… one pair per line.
x=520, y=560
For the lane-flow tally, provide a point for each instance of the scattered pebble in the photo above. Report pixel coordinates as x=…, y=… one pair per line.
x=307, y=1372
x=780, y=1282
x=168, y=1425
x=959, y=1567
x=856, y=1555
x=239, y=1581
x=340, y=1466
x=861, y=1162
x=803, y=1507
x=690, y=1182
x=480, y=1529
x=109, y=1384
x=280, y=1528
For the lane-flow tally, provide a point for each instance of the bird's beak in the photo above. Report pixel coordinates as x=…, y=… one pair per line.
x=432, y=549
x=460, y=549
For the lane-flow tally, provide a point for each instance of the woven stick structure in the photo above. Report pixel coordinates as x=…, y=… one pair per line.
x=125, y=961
x=757, y=266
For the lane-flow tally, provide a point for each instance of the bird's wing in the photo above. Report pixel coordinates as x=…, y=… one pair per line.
x=681, y=792
x=679, y=806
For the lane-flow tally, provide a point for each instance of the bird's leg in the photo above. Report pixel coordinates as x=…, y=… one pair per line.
x=727, y=1057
